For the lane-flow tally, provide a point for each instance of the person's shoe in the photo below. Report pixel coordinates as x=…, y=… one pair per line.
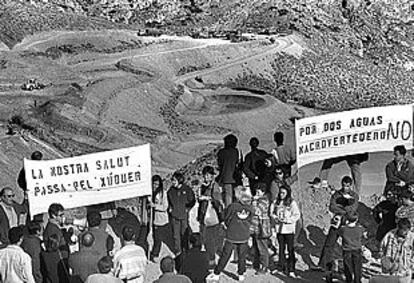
x=213, y=277
x=242, y=278
x=292, y=274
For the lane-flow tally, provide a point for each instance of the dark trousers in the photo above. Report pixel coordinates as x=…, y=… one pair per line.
x=242, y=250
x=159, y=234
x=142, y=239
x=286, y=240
x=326, y=259
x=179, y=228
x=228, y=194
x=212, y=237
x=353, y=266
x=261, y=252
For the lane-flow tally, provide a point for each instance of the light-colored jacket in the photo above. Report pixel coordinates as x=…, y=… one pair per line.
x=285, y=217
x=161, y=209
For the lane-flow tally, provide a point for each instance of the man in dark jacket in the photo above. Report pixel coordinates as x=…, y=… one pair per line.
x=227, y=160
x=343, y=201
x=253, y=164
x=399, y=172
x=32, y=245
x=56, y=220
x=194, y=263
x=11, y=213
x=103, y=243
x=180, y=200
x=85, y=262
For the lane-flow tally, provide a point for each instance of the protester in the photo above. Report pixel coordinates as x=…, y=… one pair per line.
x=105, y=275
x=84, y=262
x=21, y=179
x=144, y=211
x=399, y=172
x=354, y=163
x=103, y=243
x=384, y=215
x=195, y=262
x=15, y=264
x=210, y=214
x=351, y=234
x=283, y=156
x=130, y=261
x=56, y=219
x=12, y=214
x=237, y=219
x=261, y=229
x=285, y=212
x=406, y=210
x=122, y=219
x=389, y=267
x=180, y=199
x=227, y=160
x=32, y=245
x=54, y=263
x=278, y=181
x=253, y=163
x=167, y=267
x=161, y=229
x=342, y=202
x=398, y=246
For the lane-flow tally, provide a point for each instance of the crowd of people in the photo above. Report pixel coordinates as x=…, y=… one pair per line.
x=204, y=224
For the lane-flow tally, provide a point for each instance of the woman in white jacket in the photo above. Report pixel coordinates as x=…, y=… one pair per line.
x=160, y=225
x=285, y=212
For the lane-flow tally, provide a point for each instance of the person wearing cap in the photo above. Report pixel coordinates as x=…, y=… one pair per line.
x=15, y=264
x=12, y=214
x=389, y=269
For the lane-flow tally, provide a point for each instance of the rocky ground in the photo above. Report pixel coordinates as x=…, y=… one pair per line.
x=107, y=87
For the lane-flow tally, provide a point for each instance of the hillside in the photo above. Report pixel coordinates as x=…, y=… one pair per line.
x=247, y=67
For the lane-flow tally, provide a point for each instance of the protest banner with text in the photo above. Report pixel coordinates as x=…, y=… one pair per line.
x=351, y=132
x=89, y=179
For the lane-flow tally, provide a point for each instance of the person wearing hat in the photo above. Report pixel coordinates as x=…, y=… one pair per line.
x=389, y=268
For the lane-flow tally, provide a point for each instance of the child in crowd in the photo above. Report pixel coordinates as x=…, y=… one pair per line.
x=351, y=234
x=285, y=212
x=180, y=199
x=261, y=229
x=237, y=219
x=209, y=214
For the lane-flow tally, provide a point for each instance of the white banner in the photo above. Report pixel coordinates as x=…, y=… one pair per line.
x=351, y=132
x=89, y=179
